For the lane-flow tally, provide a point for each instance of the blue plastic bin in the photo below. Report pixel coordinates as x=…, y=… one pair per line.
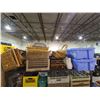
x=84, y=65
x=81, y=53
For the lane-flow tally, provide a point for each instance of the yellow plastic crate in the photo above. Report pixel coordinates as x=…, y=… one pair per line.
x=4, y=48
x=30, y=81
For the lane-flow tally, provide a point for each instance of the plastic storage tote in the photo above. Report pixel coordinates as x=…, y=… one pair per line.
x=84, y=65
x=81, y=53
x=30, y=81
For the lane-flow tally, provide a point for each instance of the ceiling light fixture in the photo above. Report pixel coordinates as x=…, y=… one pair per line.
x=24, y=37
x=57, y=37
x=80, y=37
x=7, y=27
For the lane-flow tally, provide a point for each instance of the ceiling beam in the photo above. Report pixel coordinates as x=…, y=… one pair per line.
x=36, y=36
x=9, y=32
x=51, y=23
x=74, y=30
x=71, y=27
x=61, y=35
x=90, y=25
x=42, y=25
x=59, y=16
x=27, y=32
x=93, y=38
x=86, y=36
x=16, y=25
x=77, y=28
x=14, y=22
x=24, y=26
x=92, y=32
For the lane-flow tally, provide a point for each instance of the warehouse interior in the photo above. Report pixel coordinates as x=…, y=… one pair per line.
x=50, y=49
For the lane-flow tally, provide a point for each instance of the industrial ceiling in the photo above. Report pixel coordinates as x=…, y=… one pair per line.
x=48, y=26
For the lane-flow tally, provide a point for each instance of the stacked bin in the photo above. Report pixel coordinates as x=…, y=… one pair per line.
x=42, y=81
x=82, y=58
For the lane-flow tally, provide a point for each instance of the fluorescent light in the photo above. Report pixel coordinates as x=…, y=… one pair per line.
x=24, y=37
x=57, y=37
x=7, y=27
x=80, y=37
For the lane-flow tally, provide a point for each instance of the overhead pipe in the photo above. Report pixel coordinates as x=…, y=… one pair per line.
x=42, y=25
x=69, y=20
x=30, y=26
x=78, y=27
x=59, y=16
x=24, y=26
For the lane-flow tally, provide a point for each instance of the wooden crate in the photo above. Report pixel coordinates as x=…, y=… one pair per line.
x=7, y=61
x=85, y=82
x=37, y=48
x=59, y=54
x=3, y=81
x=11, y=59
x=18, y=56
x=61, y=81
x=80, y=80
x=37, y=59
x=37, y=67
x=57, y=63
x=59, y=85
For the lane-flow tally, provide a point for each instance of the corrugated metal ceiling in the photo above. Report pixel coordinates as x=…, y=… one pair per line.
x=46, y=26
